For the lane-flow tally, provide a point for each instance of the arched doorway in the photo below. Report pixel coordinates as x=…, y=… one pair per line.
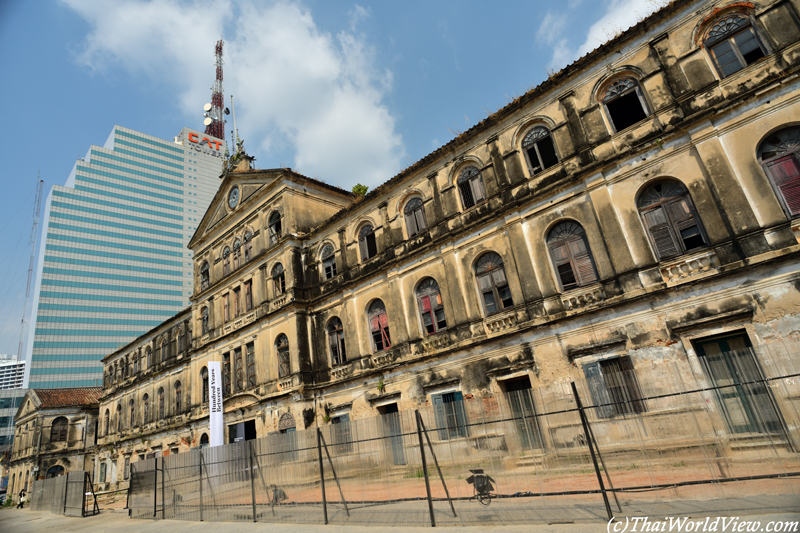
x=55, y=471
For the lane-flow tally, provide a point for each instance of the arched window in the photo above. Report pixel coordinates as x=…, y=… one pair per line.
x=204, y=320
x=106, y=422
x=149, y=354
x=669, y=217
x=733, y=43
x=470, y=185
x=415, y=217
x=204, y=440
x=178, y=397
x=119, y=418
x=238, y=369
x=161, y=403
x=164, y=349
x=275, y=227
x=157, y=352
x=226, y=261
x=58, y=431
x=430, y=306
x=284, y=361
x=145, y=409
x=278, y=280
x=237, y=254
x=539, y=149
x=132, y=414
x=336, y=342
x=491, y=276
x=379, y=326
x=571, y=256
x=779, y=154
x=328, y=261
x=181, y=340
x=366, y=242
x=204, y=379
x=205, y=276
x=248, y=245
x=54, y=471
x=625, y=104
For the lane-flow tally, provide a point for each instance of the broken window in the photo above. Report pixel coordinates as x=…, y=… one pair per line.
x=733, y=44
x=278, y=280
x=470, y=185
x=237, y=254
x=204, y=379
x=275, y=228
x=614, y=388
x=431, y=308
x=669, y=217
x=203, y=325
x=780, y=157
x=625, y=104
x=379, y=326
x=571, y=256
x=336, y=342
x=250, y=357
x=248, y=246
x=539, y=149
x=366, y=242
x=328, y=261
x=492, y=283
x=451, y=420
x=226, y=261
x=284, y=362
x=58, y=432
x=415, y=217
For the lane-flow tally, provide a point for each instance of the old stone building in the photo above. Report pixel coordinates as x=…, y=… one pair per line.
x=54, y=433
x=638, y=212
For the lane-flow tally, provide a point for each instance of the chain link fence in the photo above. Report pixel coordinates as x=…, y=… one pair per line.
x=716, y=435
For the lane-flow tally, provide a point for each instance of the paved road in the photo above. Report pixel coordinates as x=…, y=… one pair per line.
x=27, y=521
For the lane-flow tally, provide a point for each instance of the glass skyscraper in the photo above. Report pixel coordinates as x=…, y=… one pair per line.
x=113, y=262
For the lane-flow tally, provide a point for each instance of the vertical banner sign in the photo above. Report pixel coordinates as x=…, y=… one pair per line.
x=216, y=437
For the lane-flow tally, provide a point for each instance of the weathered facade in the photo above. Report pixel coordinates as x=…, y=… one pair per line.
x=637, y=212
x=54, y=433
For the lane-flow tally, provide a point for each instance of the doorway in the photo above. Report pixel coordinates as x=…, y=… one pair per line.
x=393, y=431
x=730, y=363
x=520, y=397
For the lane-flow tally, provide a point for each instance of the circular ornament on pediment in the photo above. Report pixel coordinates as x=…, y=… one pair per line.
x=286, y=421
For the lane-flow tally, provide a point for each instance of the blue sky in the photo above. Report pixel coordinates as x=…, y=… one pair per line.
x=345, y=92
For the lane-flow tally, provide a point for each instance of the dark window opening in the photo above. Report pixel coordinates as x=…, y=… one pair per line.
x=624, y=103
x=242, y=431
x=336, y=342
x=733, y=44
x=538, y=146
x=415, y=217
x=328, y=261
x=431, y=308
x=470, y=184
x=492, y=283
x=379, y=326
x=367, y=243
x=451, y=419
x=275, y=228
x=284, y=361
x=571, y=256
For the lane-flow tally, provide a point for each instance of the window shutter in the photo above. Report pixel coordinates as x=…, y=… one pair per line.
x=419, y=214
x=583, y=262
x=425, y=304
x=374, y=325
x=499, y=277
x=384, y=321
x=561, y=260
x=786, y=174
x=334, y=345
x=485, y=282
x=362, y=245
x=461, y=417
x=477, y=189
x=663, y=240
x=441, y=418
x=411, y=220
x=597, y=388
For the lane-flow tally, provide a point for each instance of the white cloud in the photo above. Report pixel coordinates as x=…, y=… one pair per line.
x=296, y=87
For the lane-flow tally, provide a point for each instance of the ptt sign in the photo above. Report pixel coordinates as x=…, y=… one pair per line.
x=205, y=145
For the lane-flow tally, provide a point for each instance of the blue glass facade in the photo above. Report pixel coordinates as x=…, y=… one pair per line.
x=113, y=262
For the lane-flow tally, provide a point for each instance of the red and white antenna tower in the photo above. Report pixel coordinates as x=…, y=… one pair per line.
x=215, y=111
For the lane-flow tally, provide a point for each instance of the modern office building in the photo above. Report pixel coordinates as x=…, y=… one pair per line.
x=12, y=372
x=113, y=261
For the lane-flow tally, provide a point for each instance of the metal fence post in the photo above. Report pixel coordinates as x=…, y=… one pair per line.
x=425, y=467
x=585, y=424
x=163, y=503
x=200, y=465
x=155, y=488
x=252, y=477
x=322, y=475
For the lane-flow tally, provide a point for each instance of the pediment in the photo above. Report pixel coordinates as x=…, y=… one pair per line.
x=249, y=184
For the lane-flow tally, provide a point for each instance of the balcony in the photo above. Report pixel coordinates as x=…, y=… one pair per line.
x=382, y=358
x=340, y=372
x=500, y=322
x=692, y=266
x=583, y=297
x=435, y=342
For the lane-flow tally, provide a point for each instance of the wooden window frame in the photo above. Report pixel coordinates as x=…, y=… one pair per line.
x=429, y=302
x=614, y=387
x=227, y=378
x=178, y=397
x=162, y=403
x=238, y=370
x=250, y=361
x=275, y=226
x=237, y=254
x=284, y=356
x=204, y=381
x=493, y=281
x=472, y=190
x=378, y=321
x=328, y=258
x=248, y=246
x=367, y=242
x=580, y=262
x=786, y=149
x=204, y=320
x=248, y=296
x=226, y=261
x=336, y=344
x=669, y=232
x=414, y=213
x=711, y=43
x=278, y=280
x=205, y=276
x=450, y=416
x=637, y=89
x=59, y=430
x=529, y=146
